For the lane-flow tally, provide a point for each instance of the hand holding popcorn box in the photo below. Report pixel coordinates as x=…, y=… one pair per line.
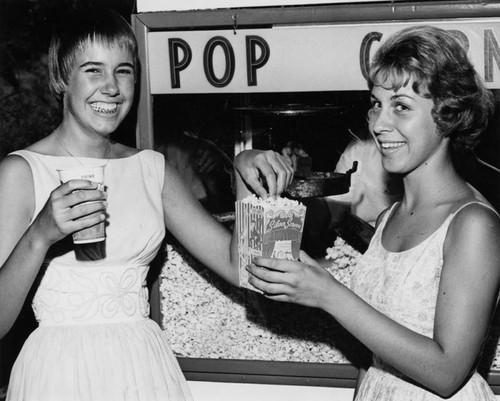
x=271, y=228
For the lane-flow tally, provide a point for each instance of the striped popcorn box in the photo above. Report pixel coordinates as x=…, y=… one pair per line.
x=270, y=228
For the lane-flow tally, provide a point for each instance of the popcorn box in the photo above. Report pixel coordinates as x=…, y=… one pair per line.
x=271, y=228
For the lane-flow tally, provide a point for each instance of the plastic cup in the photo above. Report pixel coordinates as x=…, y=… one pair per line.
x=89, y=242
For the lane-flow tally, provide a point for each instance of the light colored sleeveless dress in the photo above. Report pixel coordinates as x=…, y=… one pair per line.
x=95, y=341
x=404, y=286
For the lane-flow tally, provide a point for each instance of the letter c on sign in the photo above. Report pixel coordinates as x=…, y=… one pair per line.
x=208, y=61
x=176, y=64
x=364, y=51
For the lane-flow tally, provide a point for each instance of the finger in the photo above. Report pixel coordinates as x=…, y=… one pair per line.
x=265, y=169
x=285, y=179
x=270, y=177
x=287, y=153
x=287, y=163
x=253, y=181
x=279, y=265
x=75, y=185
x=278, y=297
x=265, y=286
x=281, y=181
x=260, y=273
x=82, y=196
x=87, y=209
x=271, y=169
x=305, y=258
x=70, y=220
x=86, y=222
x=283, y=173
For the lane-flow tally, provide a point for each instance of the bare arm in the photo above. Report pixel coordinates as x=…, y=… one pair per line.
x=23, y=245
x=467, y=296
x=205, y=238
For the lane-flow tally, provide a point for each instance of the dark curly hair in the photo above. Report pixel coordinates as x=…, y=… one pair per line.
x=437, y=62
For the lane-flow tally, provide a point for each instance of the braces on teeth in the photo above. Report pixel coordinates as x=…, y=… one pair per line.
x=104, y=108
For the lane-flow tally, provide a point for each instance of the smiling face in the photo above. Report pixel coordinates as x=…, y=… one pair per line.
x=403, y=128
x=100, y=90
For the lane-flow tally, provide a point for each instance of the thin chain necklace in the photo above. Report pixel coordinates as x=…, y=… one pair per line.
x=76, y=158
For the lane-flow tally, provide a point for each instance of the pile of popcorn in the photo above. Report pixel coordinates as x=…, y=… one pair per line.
x=343, y=257
x=205, y=317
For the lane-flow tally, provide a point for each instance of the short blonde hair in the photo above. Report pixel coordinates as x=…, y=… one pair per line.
x=78, y=30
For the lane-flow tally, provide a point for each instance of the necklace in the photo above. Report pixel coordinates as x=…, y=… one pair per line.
x=76, y=158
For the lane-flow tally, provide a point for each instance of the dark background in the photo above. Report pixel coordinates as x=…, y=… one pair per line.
x=28, y=111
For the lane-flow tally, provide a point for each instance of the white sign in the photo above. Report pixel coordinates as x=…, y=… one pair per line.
x=294, y=59
x=183, y=5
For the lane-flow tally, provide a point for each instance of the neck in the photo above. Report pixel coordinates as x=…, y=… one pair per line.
x=82, y=146
x=432, y=183
x=438, y=189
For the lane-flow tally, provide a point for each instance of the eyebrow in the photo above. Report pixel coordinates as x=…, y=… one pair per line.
x=393, y=97
x=99, y=64
x=399, y=95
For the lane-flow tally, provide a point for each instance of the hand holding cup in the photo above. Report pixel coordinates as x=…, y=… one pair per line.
x=86, y=213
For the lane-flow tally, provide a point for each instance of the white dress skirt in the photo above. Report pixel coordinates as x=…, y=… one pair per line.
x=95, y=341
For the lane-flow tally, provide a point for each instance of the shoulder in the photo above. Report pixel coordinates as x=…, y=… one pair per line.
x=154, y=157
x=122, y=151
x=14, y=167
x=475, y=227
x=146, y=156
x=475, y=213
x=356, y=147
x=48, y=145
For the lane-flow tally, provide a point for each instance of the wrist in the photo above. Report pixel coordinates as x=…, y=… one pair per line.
x=38, y=239
x=333, y=296
x=241, y=189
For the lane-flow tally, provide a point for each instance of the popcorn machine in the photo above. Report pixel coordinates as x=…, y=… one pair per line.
x=260, y=74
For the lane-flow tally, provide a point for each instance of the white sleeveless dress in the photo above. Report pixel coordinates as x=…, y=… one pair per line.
x=404, y=286
x=95, y=341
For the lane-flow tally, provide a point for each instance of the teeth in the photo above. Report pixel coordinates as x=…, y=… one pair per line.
x=390, y=145
x=101, y=107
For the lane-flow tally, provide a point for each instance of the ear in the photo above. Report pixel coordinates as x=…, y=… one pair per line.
x=58, y=88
